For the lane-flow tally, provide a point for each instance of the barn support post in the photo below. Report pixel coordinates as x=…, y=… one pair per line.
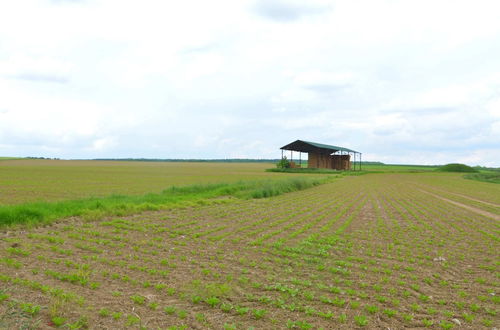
x=360, y=161
x=300, y=159
x=291, y=155
x=281, y=153
x=354, y=161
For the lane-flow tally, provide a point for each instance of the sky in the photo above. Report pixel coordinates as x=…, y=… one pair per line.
x=409, y=82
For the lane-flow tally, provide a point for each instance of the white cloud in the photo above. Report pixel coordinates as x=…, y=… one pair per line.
x=203, y=79
x=291, y=10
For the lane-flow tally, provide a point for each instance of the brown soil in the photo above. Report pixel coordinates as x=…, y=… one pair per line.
x=364, y=249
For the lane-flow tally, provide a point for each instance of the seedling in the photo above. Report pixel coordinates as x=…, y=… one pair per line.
x=259, y=313
x=170, y=310
x=104, y=312
x=372, y=309
x=242, y=310
x=140, y=300
x=446, y=325
x=361, y=320
x=58, y=320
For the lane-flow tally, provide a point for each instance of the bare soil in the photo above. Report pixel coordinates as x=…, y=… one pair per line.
x=363, y=252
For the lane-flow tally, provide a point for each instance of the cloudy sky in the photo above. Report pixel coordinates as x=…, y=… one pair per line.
x=401, y=81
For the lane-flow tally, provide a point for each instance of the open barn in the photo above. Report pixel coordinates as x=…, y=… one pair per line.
x=324, y=155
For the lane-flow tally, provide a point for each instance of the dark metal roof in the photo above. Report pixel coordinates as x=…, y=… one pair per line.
x=306, y=146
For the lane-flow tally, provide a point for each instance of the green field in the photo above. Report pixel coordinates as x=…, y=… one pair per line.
x=52, y=180
x=389, y=249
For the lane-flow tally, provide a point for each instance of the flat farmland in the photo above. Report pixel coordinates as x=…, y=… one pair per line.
x=389, y=250
x=28, y=180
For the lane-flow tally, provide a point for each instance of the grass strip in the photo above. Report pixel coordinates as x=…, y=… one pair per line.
x=32, y=214
x=493, y=177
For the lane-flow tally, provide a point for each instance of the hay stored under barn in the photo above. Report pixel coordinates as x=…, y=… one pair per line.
x=324, y=155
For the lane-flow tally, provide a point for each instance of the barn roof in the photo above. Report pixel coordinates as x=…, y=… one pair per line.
x=306, y=146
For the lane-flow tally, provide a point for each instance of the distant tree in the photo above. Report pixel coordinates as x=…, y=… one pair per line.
x=456, y=167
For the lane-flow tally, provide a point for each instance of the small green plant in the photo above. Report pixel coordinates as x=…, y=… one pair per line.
x=81, y=323
x=18, y=251
x=415, y=307
x=448, y=314
x=117, y=315
x=475, y=308
x=58, y=320
x=30, y=309
x=225, y=307
x=3, y=297
x=104, y=312
x=212, y=301
x=170, y=310
x=487, y=322
x=298, y=325
x=139, y=300
x=259, y=313
x=132, y=320
x=431, y=311
x=182, y=314
x=424, y=298
x=446, y=325
x=427, y=323
x=361, y=320
x=200, y=317
x=468, y=317
x=491, y=312
x=372, y=309
x=242, y=310
x=389, y=312
x=160, y=286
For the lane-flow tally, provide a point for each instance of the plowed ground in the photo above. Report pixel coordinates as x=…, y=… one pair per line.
x=372, y=251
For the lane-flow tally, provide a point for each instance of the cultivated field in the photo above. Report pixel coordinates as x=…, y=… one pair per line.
x=28, y=180
x=379, y=250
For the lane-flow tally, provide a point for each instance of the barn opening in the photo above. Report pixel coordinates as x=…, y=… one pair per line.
x=323, y=156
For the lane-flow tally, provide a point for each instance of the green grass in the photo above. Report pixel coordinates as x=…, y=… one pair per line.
x=366, y=168
x=492, y=177
x=395, y=168
x=36, y=180
x=32, y=214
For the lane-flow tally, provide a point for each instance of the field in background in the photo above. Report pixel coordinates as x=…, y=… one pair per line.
x=398, y=168
x=52, y=180
x=379, y=250
x=29, y=180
